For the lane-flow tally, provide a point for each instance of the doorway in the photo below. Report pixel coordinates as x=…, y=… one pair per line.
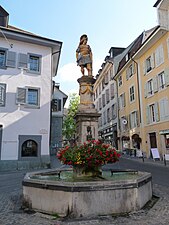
x=153, y=142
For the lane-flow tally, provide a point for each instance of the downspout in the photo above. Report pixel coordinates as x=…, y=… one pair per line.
x=138, y=88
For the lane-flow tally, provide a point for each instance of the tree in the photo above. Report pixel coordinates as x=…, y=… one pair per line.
x=69, y=123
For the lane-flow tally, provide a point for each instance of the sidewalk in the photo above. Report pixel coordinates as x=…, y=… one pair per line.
x=147, y=160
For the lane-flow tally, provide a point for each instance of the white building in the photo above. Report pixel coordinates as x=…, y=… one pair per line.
x=27, y=64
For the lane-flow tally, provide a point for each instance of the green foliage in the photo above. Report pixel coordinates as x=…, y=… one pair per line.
x=69, y=125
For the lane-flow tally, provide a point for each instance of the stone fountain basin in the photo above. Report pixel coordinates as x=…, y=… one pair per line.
x=83, y=199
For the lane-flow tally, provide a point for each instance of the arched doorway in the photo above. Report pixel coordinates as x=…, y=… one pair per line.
x=29, y=149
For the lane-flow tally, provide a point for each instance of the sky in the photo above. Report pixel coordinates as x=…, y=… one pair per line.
x=107, y=23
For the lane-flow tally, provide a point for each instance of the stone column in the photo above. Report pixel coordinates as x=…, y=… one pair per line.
x=87, y=116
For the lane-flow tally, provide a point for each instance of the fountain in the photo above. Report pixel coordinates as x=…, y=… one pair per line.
x=86, y=190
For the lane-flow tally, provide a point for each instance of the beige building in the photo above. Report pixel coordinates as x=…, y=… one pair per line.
x=142, y=81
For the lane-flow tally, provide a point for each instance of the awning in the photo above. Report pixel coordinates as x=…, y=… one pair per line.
x=164, y=132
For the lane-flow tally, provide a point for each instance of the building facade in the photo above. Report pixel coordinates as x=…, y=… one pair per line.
x=142, y=89
x=58, y=101
x=27, y=64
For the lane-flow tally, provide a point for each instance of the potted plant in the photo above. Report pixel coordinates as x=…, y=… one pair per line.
x=88, y=158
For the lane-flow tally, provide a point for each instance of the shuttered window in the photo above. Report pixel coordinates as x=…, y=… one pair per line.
x=56, y=105
x=159, y=56
x=2, y=94
x=22, y=60
x=164, y=109
x=11, y=59
x=28, y=96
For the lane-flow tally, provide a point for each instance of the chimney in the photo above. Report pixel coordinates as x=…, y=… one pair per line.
x=4, y=16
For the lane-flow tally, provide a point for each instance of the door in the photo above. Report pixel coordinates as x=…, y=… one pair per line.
x=153, y=141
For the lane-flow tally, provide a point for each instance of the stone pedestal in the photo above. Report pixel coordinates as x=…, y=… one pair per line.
x=87, y=116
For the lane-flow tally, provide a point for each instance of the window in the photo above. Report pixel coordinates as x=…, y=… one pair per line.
x=29, y=149
x=152, y=113
x=30, y=62
x=106, y=79
x=149, y=64
x=132, y=95
x=114, y=111
x=150, y=87
x=56, y=105
x=108, y=115
x=34, y=63
x=161, y=81
x=2, y=94
x=107, y=96
x=28, y=96
x=103, y=100
x=130, y=71
x=134, y=119
x=2, y=58
x=112, y=91
x=120, y=81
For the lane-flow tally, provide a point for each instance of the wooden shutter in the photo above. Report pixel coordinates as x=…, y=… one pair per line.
x=152, y=61
x=148, y=114
x=127, y=73
x=145, y=90
x=2, y=94
x=22, y=60
x=166, y=74
x=156, y=112
x=21, y=96
x=133, y=68
x=162, y=109
x=123, y=100
x=144, y=67
x=155, y=84
x=137, y=118
x=112, y=90
x=11, y=59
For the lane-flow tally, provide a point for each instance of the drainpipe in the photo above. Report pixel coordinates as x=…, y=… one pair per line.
x=138, y=88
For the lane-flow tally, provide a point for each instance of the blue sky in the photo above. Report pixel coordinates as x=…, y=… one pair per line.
x=108, y=23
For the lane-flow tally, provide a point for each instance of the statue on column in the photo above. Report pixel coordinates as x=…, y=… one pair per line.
x=84, y=55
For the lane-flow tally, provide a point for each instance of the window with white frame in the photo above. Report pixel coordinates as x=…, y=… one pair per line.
x=161, y=80
x=28, y=96
x=133, y=119
x=150, y=87
x=149, y=64
x=159, y=55
x=120, y=81
x=132, y=94
x=2, y=94
x=130, y=71
x=152, y=113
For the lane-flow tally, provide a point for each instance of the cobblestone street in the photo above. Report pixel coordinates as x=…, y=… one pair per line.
x=12, y=214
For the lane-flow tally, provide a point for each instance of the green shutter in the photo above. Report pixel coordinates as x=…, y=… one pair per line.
x=156, y=112
x=11, y=59
x=155, y=84
x=166, y=74
x=22, y=60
